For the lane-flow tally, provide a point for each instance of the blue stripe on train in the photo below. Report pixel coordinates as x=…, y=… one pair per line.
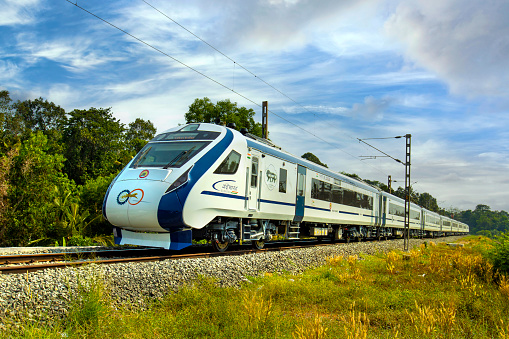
x=169, y=212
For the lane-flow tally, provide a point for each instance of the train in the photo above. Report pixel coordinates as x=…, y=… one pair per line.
x=203, y=181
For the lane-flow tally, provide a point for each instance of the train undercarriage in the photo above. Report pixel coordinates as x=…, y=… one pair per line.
x=222, y=232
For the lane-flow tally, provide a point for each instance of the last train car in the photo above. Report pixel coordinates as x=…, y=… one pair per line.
x=205, y=181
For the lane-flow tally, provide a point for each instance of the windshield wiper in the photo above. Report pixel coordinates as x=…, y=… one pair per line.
x=180, y=157
x=142, y=155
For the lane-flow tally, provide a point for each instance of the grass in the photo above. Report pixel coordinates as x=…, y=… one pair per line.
x=434, y=291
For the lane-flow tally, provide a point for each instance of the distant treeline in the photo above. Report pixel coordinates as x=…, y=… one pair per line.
x=55, y=167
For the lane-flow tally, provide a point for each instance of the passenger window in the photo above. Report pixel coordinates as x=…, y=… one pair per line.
x=282, y=180
x=230, y=164
x=254, y=173
x=337, y=194
x=301, y=184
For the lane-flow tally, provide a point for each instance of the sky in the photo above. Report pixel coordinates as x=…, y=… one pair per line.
x=332, y=72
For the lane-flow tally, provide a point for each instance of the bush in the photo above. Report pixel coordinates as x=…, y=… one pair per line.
x=499, y=254
x=91, y=197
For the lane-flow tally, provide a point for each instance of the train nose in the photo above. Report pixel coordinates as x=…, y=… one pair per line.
x=133, y=200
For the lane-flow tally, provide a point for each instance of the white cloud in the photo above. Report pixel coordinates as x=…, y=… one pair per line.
x=372, y=109
x=76, y=55
x=465, y=43
x=18, y=12
x=8, y=71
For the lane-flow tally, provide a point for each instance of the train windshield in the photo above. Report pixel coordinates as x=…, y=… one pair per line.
x=168, y=154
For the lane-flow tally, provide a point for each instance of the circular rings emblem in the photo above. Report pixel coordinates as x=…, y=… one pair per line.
x=123, y=197
x=134, y=197
x=143, y=174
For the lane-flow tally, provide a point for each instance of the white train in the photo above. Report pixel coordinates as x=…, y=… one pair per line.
x=205, y=181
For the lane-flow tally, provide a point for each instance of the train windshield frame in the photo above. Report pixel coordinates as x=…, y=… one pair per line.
x=172, y=154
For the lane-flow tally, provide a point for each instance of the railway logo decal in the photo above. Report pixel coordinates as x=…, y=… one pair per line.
x=270, y=177
x=226, y=186
x=143, y=174
x=134, y=197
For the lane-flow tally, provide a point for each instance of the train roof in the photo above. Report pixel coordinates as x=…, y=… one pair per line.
x=269, y=148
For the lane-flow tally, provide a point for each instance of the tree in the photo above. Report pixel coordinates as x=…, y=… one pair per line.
x=203, y=110
x=5, y=108
x=313, y=158
x=25, y=117
x=34, y=174
x=40, y=115
x=94, y=144
x=400, y=192
x=427, y=201
x=138, y=134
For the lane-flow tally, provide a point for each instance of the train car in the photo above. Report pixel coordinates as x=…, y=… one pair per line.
x=432, y=224
x=205, y=181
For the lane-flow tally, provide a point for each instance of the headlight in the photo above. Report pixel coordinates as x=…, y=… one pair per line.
x=179, y=182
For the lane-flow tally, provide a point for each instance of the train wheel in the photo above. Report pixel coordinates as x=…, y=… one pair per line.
x=220, y=246
x=258, y=244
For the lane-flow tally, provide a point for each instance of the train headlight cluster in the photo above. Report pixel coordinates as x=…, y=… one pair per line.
x=179, y=182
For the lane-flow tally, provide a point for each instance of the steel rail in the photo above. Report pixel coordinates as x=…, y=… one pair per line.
x=14, y=269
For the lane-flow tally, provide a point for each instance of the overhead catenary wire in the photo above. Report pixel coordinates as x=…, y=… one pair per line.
x=235, y=63
x=223, y=54
x=214, y=80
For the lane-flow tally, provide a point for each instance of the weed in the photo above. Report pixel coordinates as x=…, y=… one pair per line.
x=310, y=329
x=503, y=285
x=352, y=260
x=429, y=320
x=356, y=324
x=391, y=259
x=257, y=309
x=88, y=305
x=503, y=330
x=335, y=261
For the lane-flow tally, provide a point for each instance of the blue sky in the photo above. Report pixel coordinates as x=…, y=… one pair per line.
x=437, y=69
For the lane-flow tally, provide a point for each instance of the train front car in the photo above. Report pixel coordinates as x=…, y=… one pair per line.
x=145, y=202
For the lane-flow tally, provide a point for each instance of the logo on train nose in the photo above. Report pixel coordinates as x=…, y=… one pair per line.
x=134, y=197
x=143, y=174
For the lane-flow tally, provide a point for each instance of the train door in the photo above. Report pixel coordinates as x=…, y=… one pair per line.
x=301, y=193
x=253, y=184
x=384, y=210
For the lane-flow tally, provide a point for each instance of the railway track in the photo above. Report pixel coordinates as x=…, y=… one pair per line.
x=24, y=263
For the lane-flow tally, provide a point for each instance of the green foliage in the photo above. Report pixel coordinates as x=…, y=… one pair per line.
x=138, y=134
x=499, y=254
x=203, y=110
x=33, y=177
x=313, y=158
x=44, y=153
x=91, y=196
x=484, y=221
x=427, y=201
x=87, y=306
x=94, y=144
x=5, y=109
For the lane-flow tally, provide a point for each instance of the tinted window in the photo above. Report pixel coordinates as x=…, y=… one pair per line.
x=254, y=173
x=282, y=180
x=337, y=194
x=325, y=191
x=168, y=154
x=315, y=188
x=230, y=164
x=301, y=184
x=183, y=135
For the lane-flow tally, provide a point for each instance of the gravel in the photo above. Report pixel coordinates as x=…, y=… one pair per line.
x=44, y=295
